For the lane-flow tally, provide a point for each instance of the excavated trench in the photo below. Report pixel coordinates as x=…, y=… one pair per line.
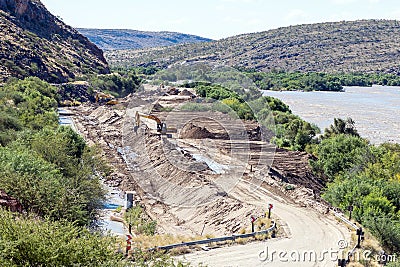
x=184, y=182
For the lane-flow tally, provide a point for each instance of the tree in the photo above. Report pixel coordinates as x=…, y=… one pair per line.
x=339, y=154
x=52, y=174
x=373, y=188
x=341, y=126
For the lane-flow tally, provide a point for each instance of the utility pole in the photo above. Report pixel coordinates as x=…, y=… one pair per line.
x=342, y=262
x=270, y=206
x=360, y=237
x=253, y=219
x=350, y=209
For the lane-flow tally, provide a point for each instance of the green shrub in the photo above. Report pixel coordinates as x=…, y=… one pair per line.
x=27, y=241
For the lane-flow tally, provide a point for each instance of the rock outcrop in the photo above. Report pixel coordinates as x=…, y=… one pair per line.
x=33, y=42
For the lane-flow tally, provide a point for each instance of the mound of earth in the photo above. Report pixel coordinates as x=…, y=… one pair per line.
x=191, y=131
x=157, y=107
x=173, y=91
x=185, y=92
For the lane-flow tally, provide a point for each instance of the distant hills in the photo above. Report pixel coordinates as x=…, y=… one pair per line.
x=347, y=46
x=33, y=42
x=132, y=39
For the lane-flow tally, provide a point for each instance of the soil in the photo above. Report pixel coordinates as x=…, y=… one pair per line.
x=185, y=183
x=191, y=131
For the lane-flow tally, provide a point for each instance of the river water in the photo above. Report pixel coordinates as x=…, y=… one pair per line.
x=376, y=109
x=114, y=198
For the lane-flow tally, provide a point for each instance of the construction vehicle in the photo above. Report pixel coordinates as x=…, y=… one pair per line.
x=105, y=98
x=161, y=126
x=70, y=103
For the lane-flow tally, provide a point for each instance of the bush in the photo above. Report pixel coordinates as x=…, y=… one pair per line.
x=52, y=173
x=339, y=154
x=373, y=188
x=27, y=241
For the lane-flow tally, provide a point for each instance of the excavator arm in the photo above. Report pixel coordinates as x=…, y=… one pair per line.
x=161, y=127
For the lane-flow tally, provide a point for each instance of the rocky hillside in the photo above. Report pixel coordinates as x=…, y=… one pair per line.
x=364, y=45
x=33, y=42
x=131, y=39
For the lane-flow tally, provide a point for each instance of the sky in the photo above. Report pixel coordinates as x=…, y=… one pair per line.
x=215, y=19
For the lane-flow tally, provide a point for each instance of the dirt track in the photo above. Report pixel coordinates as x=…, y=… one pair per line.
x=308, y=231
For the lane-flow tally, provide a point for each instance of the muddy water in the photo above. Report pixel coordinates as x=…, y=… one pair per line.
x=114, y=198
x=376, y=109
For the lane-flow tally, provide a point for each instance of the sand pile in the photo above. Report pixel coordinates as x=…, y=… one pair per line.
x=173, y=91
x=185, y=92
x=191, y=131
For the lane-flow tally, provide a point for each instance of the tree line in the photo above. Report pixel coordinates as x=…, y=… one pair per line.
x=317, y=81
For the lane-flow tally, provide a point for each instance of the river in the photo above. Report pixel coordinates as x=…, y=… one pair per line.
x=376, y=109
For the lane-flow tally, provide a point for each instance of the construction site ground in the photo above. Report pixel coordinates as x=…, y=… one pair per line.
x=209, y=176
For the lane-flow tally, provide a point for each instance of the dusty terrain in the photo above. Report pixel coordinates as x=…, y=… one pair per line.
x=209, y=175
x=308, y=232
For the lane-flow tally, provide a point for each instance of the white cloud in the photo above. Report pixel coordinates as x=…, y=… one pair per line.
x=374, y=1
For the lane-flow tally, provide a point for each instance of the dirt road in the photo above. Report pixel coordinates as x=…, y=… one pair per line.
x=310, y=233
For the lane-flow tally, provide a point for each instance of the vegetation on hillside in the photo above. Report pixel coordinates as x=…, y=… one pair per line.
x=33, y=42
x=48, y=168
x=114, y=39
x=333, y=47
x=119, y=83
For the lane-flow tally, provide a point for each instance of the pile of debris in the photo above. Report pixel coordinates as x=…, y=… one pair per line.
x=185, y=92
x=192, y=131
x=176, y=91
x=293, y=167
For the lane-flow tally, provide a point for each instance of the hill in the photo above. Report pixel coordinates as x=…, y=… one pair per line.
x=132, y=39
x=347, y=46
x=33, y=42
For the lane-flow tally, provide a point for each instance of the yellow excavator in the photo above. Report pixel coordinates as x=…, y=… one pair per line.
x=105, y=98
x=161, y=126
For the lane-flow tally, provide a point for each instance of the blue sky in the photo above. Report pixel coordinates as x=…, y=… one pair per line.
x=215, y=18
